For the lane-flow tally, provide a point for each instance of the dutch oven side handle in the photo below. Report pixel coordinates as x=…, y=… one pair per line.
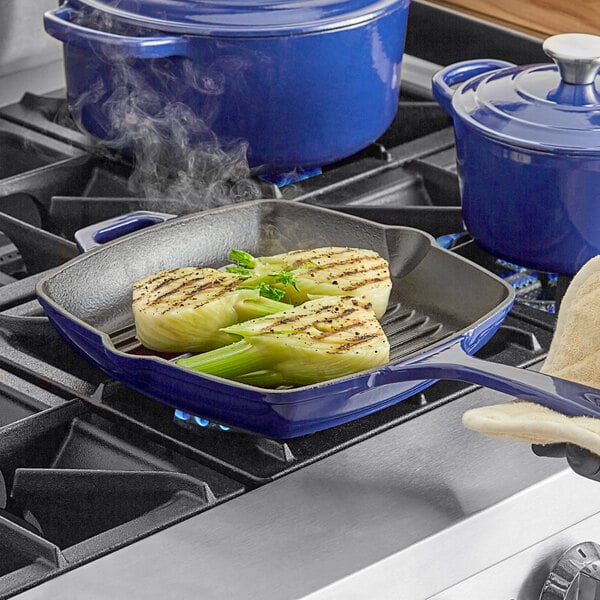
x=445, y=79
x=60, y=24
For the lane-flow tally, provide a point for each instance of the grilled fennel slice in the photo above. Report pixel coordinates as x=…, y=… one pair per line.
x=327, y=271
x=185, y=309
x=322, y=339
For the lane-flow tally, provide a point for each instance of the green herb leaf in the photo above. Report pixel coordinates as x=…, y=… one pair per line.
x=242, y=259
x=286, y=278
x=243, y=272
x=265, y=290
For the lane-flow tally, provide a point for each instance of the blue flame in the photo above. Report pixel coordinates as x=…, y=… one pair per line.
x=195, y=422
x=283, y=179
x=182, y=416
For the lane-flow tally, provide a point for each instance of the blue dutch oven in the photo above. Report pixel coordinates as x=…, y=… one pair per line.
x=302, y=83
x=528, y=153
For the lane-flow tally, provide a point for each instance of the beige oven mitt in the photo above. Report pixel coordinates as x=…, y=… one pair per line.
x=575, y=355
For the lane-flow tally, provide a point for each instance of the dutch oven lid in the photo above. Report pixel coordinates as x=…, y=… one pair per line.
x=549, y=107
x=251, y=18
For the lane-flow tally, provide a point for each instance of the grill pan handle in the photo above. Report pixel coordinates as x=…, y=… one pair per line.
x=97, y=234
x=452, y=362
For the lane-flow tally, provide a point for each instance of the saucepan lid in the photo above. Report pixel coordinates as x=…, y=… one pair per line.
x=552, y=107
x=250, y=18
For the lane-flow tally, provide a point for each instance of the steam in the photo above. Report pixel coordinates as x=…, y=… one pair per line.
x=179, y=163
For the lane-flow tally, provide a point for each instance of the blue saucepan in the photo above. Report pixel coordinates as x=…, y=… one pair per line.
x=528, y=153
x=302, y=83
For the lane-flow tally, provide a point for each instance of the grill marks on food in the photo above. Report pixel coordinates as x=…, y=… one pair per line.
x=187, y=309
x=336, y=270
x=351, y=269
x=181, y=287
x=296, y=320
x=345, y=324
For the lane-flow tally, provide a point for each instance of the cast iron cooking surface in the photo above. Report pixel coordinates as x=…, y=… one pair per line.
x=90, y=298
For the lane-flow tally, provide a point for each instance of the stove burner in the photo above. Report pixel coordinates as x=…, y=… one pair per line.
x=283, y=179
x=537, y=289
x=196, y=423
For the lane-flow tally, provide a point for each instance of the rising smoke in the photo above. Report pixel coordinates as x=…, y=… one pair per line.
x=179, y=163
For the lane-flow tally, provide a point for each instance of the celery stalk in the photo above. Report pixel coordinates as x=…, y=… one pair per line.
x=229, y=361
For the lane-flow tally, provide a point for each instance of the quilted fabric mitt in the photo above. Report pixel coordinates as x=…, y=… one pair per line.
x=574, y=355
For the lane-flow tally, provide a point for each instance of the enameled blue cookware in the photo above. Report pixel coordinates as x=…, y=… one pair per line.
x=303, y=83
x=442, y=309
x=528, y=153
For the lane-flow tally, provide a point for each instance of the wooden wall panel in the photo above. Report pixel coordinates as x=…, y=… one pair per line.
x=537, y=17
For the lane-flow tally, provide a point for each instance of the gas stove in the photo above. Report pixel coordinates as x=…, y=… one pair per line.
x=106, y=492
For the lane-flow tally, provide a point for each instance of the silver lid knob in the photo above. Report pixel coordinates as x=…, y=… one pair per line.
x=577, y=56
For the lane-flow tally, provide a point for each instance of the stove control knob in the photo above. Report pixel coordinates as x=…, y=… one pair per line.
x=576, y=575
